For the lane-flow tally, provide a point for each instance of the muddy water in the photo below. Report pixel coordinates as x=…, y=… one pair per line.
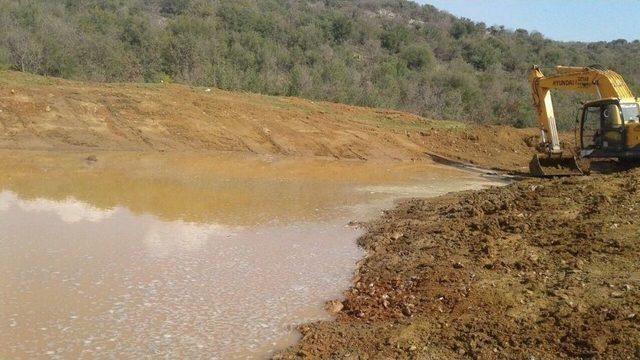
x=183, y=256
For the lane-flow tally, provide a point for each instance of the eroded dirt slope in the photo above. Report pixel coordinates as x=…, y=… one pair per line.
x=47, y=113
x=534, y=270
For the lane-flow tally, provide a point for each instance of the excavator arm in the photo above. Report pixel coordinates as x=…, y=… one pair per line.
x=601, y=83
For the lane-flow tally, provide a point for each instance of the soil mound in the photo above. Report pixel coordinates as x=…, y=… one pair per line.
x=41, y=113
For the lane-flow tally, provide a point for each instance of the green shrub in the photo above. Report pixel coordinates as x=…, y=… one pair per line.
x=418, y=57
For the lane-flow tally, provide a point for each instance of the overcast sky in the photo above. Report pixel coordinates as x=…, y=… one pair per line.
x=566, y=20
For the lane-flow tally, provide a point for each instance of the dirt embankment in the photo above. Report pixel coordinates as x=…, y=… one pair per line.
x=53, y=114
x=534, y=270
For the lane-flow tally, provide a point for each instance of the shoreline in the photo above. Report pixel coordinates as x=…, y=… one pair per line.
x=540, y=268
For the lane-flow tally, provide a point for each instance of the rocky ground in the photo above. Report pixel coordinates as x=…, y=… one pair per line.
x=540, y=269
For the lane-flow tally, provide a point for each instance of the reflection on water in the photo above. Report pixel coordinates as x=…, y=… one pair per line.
x=165, y=238
x=133, y=285
x=213, y=257
x=68, y=210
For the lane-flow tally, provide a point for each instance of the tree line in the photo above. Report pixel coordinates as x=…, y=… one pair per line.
x=382, y=53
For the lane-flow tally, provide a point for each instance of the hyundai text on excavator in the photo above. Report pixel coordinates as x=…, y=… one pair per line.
x=609, y=127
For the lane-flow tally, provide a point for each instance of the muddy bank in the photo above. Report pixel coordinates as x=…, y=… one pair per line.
x=537, y=269
x=53, y=114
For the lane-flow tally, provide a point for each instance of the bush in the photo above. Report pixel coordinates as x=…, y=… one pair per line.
x=480, y=54
x=394, y=37
x=341, y=28
x=418, y=57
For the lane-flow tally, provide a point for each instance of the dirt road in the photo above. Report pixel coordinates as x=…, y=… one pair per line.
x=534, y=270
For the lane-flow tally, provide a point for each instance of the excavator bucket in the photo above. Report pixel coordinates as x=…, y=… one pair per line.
x=554, y=165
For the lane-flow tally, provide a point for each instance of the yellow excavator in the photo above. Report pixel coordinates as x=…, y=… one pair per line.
x=609, y=127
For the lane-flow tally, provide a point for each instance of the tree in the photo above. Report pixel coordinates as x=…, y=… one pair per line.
x=25, y=52
x=463, y=27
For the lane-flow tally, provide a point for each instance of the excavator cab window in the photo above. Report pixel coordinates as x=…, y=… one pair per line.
x=591, y=128
x=602, y=127
x=630, y=112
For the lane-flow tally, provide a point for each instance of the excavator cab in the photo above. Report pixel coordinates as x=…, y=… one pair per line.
x=602, y=128
x=610, y=129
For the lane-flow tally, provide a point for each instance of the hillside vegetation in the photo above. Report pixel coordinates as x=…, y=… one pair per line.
x=380, y=53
